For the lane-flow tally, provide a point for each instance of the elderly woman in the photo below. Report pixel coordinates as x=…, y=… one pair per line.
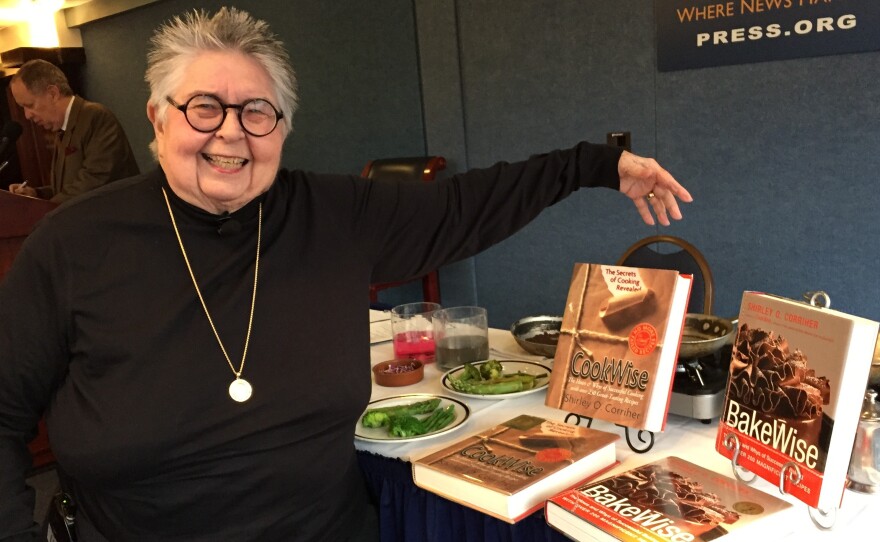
x=203, y=383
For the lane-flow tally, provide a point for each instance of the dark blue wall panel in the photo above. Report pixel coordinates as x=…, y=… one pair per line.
x=783, y=158
x=546, y=74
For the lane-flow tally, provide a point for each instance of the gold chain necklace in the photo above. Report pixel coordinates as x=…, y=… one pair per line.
x=240, y=390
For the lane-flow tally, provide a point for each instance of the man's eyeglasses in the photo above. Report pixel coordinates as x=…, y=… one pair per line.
x=206, y=113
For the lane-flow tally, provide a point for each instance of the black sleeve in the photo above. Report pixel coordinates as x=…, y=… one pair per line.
x=423, y=226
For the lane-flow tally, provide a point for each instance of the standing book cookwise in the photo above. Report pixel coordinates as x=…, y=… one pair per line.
x=669, y=499
x=797, y=379
x=508, y=471
x=618, y=345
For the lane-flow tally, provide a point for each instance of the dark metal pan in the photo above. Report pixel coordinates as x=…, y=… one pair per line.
x=537, y=334
x=705, y=334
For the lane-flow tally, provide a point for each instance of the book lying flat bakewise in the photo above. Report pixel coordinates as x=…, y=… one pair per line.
x=669, y=499
x=508, y=471
x=794, y=395
x=618, y=345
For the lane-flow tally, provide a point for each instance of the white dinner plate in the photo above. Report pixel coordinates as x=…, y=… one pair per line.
x=380, y=434
x=510, y=367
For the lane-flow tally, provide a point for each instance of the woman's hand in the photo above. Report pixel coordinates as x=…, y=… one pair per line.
x=648, y=184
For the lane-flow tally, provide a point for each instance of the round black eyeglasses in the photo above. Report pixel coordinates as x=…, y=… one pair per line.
x=206, y=113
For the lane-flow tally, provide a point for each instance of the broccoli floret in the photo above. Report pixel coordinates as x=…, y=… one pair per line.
x=378, y=417
x=491, y=369
x=469, y=373
x=375, y=418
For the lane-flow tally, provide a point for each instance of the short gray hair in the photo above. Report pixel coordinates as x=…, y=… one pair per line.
x=37, y=75
x=178, y=42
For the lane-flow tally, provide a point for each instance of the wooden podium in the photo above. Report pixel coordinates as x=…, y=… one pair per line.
x=18, y=215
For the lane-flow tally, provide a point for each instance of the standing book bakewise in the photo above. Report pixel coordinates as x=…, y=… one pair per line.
x=509, y=470
x=669, y=499
x=797, y=380
x=618, y=345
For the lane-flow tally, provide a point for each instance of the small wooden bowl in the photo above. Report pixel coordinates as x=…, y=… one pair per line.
x=394, y=373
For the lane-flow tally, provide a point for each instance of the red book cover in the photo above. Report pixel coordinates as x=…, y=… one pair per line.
x=618, y=344
x=798, y=376
x=509, y=470
x=668, y=499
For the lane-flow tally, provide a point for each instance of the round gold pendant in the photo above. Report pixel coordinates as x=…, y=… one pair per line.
x=240, y=390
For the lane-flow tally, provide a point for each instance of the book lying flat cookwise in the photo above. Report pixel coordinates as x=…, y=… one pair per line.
x=669, y=499
x=508, y=471
x=618, y=346
x=798, y=376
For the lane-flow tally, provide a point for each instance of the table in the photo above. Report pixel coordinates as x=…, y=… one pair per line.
x=408, y=513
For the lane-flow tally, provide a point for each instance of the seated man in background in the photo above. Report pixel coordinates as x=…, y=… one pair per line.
x=90, y=145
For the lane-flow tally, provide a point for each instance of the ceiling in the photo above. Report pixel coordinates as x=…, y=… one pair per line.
x=10, y=12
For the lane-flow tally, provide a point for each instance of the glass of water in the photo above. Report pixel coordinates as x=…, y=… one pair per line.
x=461, y=335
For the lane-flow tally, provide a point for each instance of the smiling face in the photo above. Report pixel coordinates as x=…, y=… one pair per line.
x=223, y=170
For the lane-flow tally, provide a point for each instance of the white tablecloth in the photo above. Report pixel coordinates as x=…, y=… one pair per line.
x=689, y=439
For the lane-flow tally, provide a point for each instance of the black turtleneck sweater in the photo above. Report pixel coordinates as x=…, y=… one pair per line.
x=101, y=331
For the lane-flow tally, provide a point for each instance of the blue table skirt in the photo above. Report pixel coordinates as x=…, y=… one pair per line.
x=408, y=513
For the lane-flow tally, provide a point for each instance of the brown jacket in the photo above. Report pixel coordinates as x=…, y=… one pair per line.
x=91, y=152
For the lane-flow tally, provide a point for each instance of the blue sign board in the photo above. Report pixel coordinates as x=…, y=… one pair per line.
x=700, y=33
